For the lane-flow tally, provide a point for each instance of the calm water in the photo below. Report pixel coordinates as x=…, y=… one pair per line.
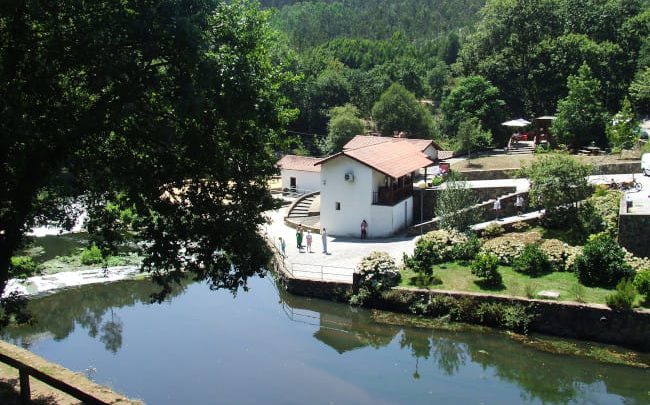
x=203, y=347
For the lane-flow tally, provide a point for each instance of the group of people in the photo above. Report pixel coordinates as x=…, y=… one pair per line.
x=519, y=204
x=307, y=237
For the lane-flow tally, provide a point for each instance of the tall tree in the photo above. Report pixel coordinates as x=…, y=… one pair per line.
x=581, y=115
x=623, y=130
x=168, y=108
x=344, y=125
x=398, y=110
x=473, y=97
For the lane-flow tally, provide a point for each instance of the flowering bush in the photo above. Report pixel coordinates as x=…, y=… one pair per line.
x=560, y=254
x=637, y=263
x=508, y=247
x=378, y=272
x=493, y=229
x=520, y=226
x=437, y=247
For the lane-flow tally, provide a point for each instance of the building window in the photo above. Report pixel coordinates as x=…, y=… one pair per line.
x=337, y=206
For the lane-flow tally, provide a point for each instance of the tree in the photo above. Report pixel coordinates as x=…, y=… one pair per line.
x=471, y=136
x=344, y=125
x=171, y=111
x=558, y=182
x=473, y=97
x=640, y=91
x=454, y=201
x=624, y=129
x=399, y=110
x=581, y=115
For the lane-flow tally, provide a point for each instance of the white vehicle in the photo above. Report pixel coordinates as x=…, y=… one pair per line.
x=645, y=164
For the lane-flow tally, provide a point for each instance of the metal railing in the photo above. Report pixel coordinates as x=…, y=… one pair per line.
x=321, y=272
x=391, y=196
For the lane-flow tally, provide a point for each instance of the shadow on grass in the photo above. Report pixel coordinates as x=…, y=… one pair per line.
x=490, y=286
x=424, y=281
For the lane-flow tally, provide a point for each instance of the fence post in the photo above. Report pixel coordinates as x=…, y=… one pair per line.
x=25, y=392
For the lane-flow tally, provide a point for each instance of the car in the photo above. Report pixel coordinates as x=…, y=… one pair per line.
x=645, y=164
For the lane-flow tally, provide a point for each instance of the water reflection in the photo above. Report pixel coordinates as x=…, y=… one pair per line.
x=544, y=377
x=350, y=345
x=91, y=307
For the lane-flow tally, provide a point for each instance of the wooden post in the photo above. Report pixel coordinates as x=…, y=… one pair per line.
x=25, y=394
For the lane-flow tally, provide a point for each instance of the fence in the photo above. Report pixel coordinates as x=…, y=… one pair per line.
x=25, y=371
x=320, y=272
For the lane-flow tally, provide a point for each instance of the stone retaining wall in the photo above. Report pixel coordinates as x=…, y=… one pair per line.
x=566, y=319
x=634, y=231
x=605, y=168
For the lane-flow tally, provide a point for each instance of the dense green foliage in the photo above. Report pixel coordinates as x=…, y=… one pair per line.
x=484, y=266
x=533, y=261
x=558, y=183
x=344, y=125
x=91, y=255
x=398, y=110
x=170, y=110
x=602, y=262
x=23, y=267
x=438, y=247
x=623, y=298
x=453, y=201
x=581, y=116
x=623, y=131
x=642, y=282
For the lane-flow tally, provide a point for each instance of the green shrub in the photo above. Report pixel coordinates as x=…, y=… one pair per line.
x=642, y=282
x=485, y=268
x=623, y=298
x=23, y=267
x=602, y=262
x=532, y=261
x=520, y=226
x=434, y=247
x=91, y=255
x=493, y=229
x=378, y=273
x=437, y=180
x=466, y=250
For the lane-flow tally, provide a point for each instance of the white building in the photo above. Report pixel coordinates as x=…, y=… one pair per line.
x=299, y=173
x=371, y=179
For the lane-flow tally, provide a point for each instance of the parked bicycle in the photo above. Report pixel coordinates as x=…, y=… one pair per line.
x=628, y=185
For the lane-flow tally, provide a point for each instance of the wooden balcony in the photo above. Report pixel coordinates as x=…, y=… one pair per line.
x=392, y=195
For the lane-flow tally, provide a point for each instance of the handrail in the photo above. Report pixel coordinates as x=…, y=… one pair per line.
x=25, y=371
x=347, y=274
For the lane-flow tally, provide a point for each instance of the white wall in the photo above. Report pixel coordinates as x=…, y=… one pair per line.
x=431, y=152
x=355, y=197
x=386, y=221
x=304, y=180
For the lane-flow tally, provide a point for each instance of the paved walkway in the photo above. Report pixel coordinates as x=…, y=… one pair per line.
x=343, y=253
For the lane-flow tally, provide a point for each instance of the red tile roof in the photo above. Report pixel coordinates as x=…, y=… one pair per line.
x=394, y=159
x=302, y=163
x=361, y=141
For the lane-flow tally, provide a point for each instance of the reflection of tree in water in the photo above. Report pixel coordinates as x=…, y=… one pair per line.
x=448, y=354
x=112, y=333
x=59, y=314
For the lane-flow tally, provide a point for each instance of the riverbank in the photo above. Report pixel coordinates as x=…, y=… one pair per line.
x=42, y=393
x=50, y=283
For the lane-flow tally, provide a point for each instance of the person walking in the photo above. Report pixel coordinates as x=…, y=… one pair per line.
x=364, y=229
x=519, y=203
x=323, y=235
x=309, y=240
x=299, y=235
x=497, y=208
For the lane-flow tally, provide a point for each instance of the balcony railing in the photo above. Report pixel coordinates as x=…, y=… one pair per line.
x=392, y=195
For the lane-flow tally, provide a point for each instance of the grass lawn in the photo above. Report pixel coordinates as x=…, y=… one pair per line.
x=495, y=162
x=457, y=277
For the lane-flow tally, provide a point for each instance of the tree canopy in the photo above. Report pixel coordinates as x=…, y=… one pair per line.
x=169, y=109
x=399, y=110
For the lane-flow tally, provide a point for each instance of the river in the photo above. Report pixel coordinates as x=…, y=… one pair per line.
x=265, y=346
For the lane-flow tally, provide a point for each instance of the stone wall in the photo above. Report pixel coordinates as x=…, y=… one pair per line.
x=634, y=231
x=605, y=168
